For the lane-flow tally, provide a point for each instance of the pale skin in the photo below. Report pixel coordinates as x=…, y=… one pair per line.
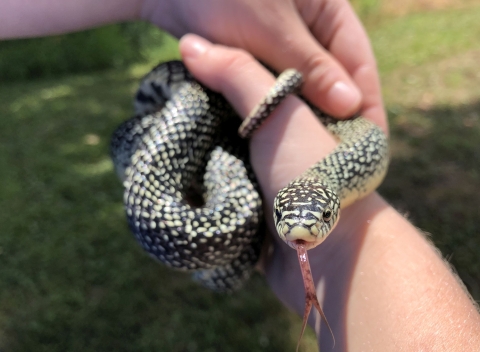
x=322, y=38
x=382, y=285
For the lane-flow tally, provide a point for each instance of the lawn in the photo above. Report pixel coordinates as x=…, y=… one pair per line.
x=72, y=277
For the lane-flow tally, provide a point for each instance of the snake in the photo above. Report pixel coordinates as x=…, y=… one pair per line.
x=190, y=194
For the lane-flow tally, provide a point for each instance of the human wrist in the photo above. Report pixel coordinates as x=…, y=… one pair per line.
x=333, y=263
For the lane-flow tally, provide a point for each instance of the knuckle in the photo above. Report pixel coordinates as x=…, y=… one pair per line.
x=235, y=61
x=316, y=62
x=320, y=71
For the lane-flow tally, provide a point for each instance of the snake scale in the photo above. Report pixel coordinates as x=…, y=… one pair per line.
x=191, y=198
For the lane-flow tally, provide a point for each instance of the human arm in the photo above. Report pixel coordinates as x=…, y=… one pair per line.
x=382, y=285
x=322, y=38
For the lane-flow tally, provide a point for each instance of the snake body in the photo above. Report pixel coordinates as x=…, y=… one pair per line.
x=308, y=208
x=191, y=198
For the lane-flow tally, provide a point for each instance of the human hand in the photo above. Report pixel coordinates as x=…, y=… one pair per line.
x=375, y=269
x=287, y=143
x=321, y=38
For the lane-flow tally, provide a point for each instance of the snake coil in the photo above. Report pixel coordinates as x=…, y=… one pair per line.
x=191, y=198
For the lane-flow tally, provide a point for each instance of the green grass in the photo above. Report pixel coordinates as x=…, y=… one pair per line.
x=425, y=37
x=72, y=277
x=434, y=180
x=114, y=46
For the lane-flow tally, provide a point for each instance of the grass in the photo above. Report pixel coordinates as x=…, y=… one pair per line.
x=434, y=180
x=71, y=275
x=424, y=37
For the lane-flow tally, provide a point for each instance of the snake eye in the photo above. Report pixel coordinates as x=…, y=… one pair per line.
x=327, y=215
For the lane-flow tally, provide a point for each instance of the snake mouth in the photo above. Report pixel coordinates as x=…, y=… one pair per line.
x=308, y=245
x=301, y=235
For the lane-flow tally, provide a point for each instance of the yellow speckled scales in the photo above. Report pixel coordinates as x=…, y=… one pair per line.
x=191, y=198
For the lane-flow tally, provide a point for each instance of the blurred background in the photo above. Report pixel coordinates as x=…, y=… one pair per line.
x=72, y=277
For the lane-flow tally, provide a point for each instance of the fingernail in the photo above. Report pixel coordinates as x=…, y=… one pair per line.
x=343, y=98
x=192, y=46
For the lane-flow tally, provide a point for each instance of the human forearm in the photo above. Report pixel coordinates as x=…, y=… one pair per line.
x=384, y=287
x=27, y=18
x=405, y=294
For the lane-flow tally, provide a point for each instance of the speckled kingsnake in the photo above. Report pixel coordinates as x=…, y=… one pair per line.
x=183, y=142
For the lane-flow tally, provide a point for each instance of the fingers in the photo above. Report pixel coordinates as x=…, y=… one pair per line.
x=327, y=43
x=289, y=141
x=321, y=38
x=339, y=30
x=290, y=43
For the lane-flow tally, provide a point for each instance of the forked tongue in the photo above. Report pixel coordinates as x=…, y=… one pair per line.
x=310, y=292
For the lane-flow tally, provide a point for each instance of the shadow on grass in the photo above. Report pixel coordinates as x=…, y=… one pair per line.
x=72, y=277
x=434, y=179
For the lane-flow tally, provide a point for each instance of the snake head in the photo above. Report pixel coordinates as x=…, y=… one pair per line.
x=305, y=210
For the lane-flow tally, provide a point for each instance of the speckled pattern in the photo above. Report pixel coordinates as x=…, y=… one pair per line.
x=306, y=203
x=358, y=165
x=308, y=208
x=288, y=82
x=355, y=168
x=183, y=146
x=191, y=198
